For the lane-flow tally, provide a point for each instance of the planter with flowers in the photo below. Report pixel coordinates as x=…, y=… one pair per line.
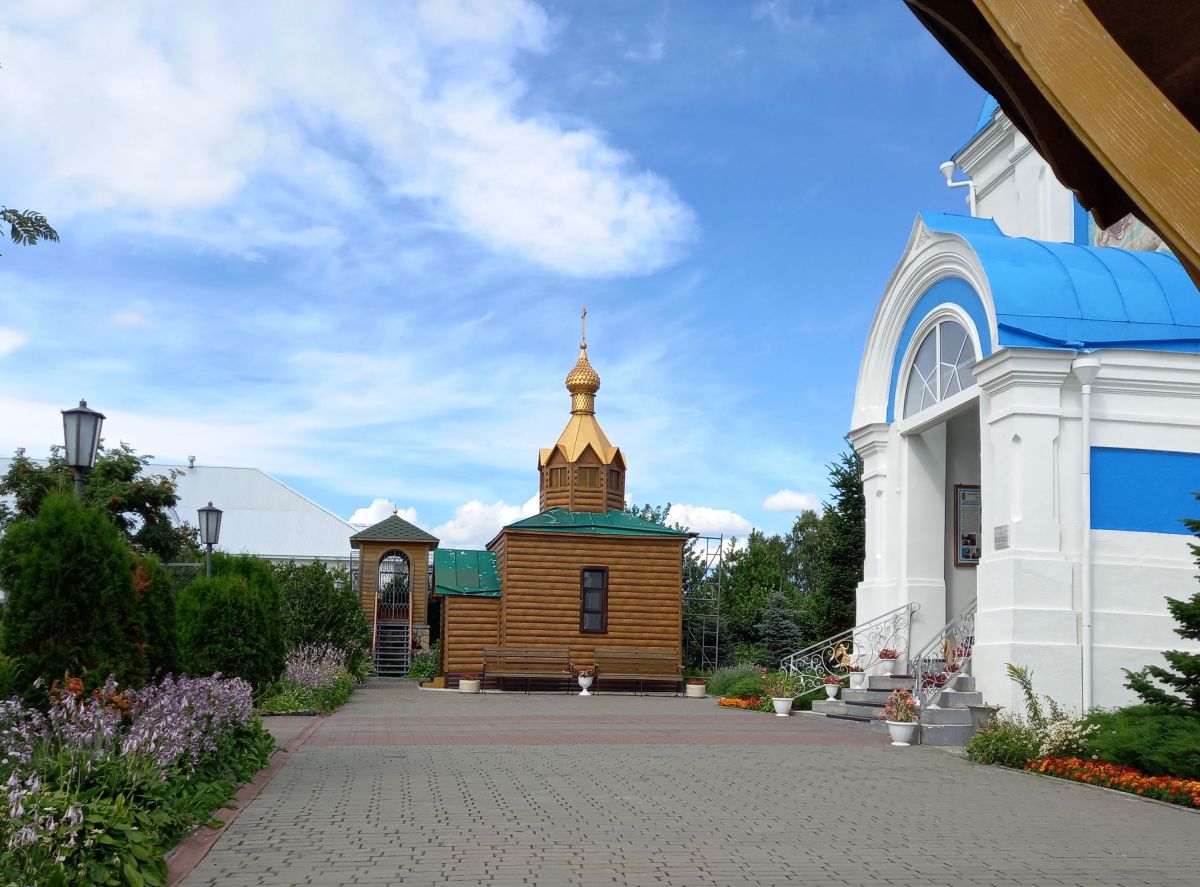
x=696, y=688
x=832, y=684
x=783, y=688
x=858, y=678
x=888, y=659
x=468, y=682
x=585, y=676
x=900, y=713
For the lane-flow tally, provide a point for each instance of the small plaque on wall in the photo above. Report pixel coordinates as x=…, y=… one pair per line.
x=968, y=524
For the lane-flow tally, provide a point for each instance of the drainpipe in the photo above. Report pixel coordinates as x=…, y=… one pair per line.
x=1086, y=369
x=947, y=170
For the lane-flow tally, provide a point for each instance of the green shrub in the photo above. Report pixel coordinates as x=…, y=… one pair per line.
x=155, y=591
x=778, y=633
x=9, y=685
x=289, y=697
x=427, y=664
x=71, y=602
x=1158, y=740
x=318, y=605
x=723, y=679
x=229, y=624
x=1007, y=741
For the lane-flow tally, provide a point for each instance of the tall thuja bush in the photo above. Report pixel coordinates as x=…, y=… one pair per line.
x=318, y=605
x=1183, y=675
x=72, y=606
x=778, y=633
x=154, y=589
x=230, y=623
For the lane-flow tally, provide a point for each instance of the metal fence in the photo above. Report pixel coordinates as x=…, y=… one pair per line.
x=184, y=575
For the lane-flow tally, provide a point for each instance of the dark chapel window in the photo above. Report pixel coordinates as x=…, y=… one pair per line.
x=593, y=599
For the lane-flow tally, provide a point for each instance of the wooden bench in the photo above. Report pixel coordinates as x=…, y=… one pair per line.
x=526, y=662
x=618, y=664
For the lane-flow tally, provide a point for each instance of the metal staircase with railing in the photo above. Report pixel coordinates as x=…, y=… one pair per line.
x=393, y=649
x=938, y=674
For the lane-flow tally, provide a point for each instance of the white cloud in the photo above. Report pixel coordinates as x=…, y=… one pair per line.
x=475, y=523
x=709, y=521
x=790, y=500
x=159, y=116
x=11, y=340
x=381, y=509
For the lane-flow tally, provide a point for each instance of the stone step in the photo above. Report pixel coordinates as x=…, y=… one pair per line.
x=957, y=717
x=877, y=696
x=959, y=699
x=889, y=682
x=946, y=734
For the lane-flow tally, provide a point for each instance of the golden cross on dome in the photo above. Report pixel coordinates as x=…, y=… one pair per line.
x=583, y=341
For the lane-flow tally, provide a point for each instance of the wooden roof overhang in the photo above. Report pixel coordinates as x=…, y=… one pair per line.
x=1107, y=91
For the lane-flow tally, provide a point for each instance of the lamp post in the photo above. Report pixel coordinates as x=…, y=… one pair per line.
x=81, y=429
x=210, y=532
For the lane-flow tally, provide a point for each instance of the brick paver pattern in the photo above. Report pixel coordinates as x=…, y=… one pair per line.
x=404, y=786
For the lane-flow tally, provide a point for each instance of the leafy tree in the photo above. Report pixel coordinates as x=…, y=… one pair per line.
x=72, y=606
x=138, y=503
x=654, y=513
x=778, y=632
x=154, y=588
x=318, y=605
x=804, y=558
x=1184, y=673
x=27, y=227
x=230, y=623
x=753, y=572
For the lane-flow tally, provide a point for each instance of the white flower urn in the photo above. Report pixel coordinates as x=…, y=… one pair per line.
x=903, y=733
x=831, y=690
x=695, y=691
x=783, y=706
x=858, y=680
x=585, y=681
x=468, y=685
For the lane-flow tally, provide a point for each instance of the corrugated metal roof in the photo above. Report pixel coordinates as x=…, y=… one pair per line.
x=261, y=515
x=458, y=571
x=610, y=523
x=393, y=529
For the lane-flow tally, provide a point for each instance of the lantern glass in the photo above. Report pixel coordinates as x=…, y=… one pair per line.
x=210, y=524
x=81, y=433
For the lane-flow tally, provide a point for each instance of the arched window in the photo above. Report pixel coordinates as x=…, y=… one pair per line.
x=395, y=574
x=941, y=368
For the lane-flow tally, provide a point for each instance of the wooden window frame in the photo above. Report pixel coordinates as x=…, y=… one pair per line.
x=565, y=477
x=603, y=629
x=614, y=479
x=579, y=477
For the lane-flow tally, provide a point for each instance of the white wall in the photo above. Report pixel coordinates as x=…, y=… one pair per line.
x=1015, y=186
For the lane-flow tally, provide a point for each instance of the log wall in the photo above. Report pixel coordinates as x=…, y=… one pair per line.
x=468, y=624
x=368, y=583
x=540, y=576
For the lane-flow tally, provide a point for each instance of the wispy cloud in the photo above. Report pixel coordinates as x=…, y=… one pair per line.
x=790, y=500
x=313, y=122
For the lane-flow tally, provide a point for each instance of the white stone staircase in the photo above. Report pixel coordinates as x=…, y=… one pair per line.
x=393, y=652
x=947, y=723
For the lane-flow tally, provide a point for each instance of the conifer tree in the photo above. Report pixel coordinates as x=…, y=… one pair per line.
x=1184, y=672
x=778, y=632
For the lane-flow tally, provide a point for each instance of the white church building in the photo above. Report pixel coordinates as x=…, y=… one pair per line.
x=1028, y=414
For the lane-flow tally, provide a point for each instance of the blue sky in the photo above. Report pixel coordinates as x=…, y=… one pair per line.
x=349, y=243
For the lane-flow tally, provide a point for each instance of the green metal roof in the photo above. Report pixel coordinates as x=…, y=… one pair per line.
x=456, y=571
x=611, y=523
x=393, y=529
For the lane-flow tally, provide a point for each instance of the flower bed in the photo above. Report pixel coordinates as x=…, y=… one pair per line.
x=750, y=703
x=1185, y=792
x=316, y=678
x=100, y=787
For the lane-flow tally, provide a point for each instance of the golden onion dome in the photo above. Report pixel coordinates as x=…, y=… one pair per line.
x=583, y=379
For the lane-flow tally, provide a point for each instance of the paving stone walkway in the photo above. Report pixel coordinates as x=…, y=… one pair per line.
x=413, y=787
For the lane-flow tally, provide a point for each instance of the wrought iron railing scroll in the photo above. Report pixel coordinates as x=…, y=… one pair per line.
x=944, y=658
x=853, y=650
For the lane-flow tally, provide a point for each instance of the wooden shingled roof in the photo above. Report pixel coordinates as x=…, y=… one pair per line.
x=392, y=529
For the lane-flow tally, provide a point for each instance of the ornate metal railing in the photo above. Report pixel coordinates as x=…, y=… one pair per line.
x=944, y=658
x=855, y=649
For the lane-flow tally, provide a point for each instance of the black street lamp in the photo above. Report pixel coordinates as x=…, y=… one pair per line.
x=210, y=532
x=81, y=428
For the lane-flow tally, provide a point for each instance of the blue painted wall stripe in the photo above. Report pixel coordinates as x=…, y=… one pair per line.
x=1144, y=491
x=954, y=291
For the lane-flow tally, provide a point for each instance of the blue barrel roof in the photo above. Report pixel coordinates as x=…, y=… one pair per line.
x=1076, y=297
